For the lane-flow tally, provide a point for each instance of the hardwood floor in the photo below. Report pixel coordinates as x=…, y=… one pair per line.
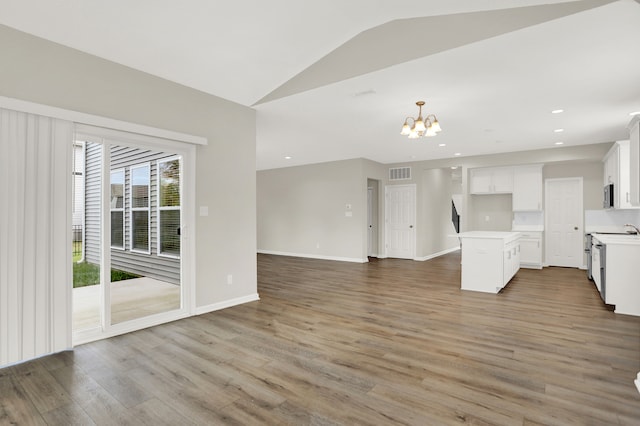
x=389, y=342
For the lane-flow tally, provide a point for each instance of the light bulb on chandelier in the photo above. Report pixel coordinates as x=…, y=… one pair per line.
x=428, y=126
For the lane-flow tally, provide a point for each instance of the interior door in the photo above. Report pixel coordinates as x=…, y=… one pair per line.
x=400, y=207
x=370, y=222
x=564, y=222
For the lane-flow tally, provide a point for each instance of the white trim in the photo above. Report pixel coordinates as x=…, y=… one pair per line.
x=91, y=335
x=314, y=256
x=226, y=304
x=434, y=255
x=94, y=120
x=140, y=209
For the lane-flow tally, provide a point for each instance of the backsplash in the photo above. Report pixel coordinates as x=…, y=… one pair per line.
x=528, y=221
x=610, y=220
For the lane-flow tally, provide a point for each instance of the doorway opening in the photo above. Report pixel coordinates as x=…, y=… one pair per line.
x=373, y=186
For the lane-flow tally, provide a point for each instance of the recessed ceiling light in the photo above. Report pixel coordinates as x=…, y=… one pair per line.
x=442, y=144
x=559, y=130
x=457, y=154
x=287, y=158
x=557, y=111
x=559, y=143
x=454, y=167
x=413, y=156
x=634, y=113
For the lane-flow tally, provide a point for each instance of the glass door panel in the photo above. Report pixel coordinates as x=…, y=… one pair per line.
x=87, y=238
x=146, y=269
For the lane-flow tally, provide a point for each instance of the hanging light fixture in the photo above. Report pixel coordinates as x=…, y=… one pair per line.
x=428, y=126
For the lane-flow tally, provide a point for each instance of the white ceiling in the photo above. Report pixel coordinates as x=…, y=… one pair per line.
x=335, y=79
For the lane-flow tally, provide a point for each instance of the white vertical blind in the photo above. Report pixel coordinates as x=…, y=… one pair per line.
x=35, y=235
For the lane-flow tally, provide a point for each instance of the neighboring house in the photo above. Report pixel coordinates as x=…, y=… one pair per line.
x=144, y=210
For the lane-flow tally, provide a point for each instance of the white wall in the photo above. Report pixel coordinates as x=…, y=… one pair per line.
x=43, y=72
x=301, y=210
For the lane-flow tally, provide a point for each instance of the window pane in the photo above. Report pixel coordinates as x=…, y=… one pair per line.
x=169, y=183
x=140, y=187
x=117, y=234
x=169, y=232
x=117, y=189
x=140, y=230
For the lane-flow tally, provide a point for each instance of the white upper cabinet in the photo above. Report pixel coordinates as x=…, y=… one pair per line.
x=527, y=188
x=492, y=180
x=617, y=171
x=634, y=161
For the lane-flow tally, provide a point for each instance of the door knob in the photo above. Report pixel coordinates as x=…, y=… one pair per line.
x=410, y=226
x=575, y=228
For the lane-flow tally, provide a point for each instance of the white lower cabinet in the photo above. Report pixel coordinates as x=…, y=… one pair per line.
x=489, y=259
x=531, y=250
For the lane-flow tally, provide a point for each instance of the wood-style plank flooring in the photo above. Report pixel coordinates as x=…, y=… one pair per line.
x=389, y=342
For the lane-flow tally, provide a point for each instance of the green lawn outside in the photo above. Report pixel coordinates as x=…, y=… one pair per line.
x=85, y=274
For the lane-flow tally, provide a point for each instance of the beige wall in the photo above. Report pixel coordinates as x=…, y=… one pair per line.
x=434, y=212
x=301, y=210
x=43, y=72
x=299, y=207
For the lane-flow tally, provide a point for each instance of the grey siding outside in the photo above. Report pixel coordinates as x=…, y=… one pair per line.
x=150, y=265
x=93, y=164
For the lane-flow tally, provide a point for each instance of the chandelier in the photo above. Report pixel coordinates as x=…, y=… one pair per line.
x=428, y=126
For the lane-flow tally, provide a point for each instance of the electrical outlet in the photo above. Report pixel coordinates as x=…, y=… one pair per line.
x=317, y=245
x=229, y=279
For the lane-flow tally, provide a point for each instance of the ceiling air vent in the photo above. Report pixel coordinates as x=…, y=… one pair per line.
x=400, y=173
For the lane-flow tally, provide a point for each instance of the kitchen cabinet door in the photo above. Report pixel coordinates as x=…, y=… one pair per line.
x=497, y=180
x=527, y=188
x=634, y=162
x=617, y=171
x=531, y=252
x=503, y=180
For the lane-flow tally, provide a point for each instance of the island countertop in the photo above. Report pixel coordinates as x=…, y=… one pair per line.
x=508, y=235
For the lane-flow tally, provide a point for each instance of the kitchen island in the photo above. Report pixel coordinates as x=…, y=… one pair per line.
x=489, y=259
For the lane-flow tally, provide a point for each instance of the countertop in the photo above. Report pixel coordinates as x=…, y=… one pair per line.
x=489, y=234
x=624, y=239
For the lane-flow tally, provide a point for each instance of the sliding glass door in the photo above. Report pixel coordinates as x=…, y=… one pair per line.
x=129, y=220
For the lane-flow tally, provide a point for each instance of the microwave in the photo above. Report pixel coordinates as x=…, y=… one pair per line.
x=608, y=196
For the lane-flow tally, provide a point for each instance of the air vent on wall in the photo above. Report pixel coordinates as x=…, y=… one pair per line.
x=400, y=173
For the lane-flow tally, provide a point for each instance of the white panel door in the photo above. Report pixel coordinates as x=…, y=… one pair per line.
x=400, y=235
x=564, y=217
x=370, y=222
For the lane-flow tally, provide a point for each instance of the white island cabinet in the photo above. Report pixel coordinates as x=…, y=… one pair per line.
x=489, y=259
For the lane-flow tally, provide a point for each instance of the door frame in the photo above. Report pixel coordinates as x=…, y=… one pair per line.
x=415, y=218
x=188, y=247
x=579, y=247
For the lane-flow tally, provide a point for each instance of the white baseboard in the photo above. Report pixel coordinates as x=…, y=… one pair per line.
x=315, y=256
x=432, y=256
x=226, y=304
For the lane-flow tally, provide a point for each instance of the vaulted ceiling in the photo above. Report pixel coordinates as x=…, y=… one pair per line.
x=335, y=79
